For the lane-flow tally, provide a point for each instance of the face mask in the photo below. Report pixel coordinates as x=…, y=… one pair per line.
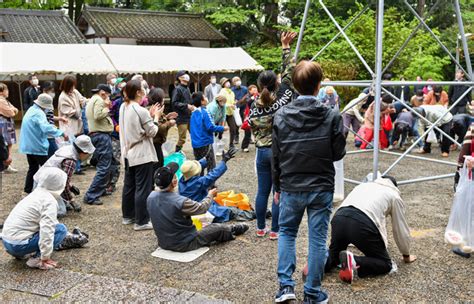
x=213, y=80
x=35, y=82
x=238, y=83
x=52, y=95
x=186, y=77
x=112, y=81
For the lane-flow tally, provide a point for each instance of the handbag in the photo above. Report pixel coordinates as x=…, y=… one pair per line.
x=246, y=124
x=432, y=139
x=237, y=118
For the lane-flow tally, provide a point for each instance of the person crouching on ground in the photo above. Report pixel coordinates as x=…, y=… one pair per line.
x=65, y=158
x=202, y=131
x=32, y=231
x=361, y=220
x=171, y=216
x=194, y=186
x=307, y=138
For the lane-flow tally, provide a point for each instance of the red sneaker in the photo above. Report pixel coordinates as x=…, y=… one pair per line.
x=261, y=232
x=273, y=236
x=349, y=267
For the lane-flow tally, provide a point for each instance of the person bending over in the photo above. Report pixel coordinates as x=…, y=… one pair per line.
x=32, y=231
x=360, y=220
x=171, y=214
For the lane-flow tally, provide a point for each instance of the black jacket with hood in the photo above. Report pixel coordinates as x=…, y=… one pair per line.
x=180, y=100
x=307, y=138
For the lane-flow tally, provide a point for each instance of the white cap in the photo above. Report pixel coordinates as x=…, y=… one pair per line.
x=84, y=143
x=44, y=101
x=52, y=179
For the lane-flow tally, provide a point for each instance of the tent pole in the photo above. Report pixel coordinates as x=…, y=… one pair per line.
x=21, y=97
x=378, y=85
x=463, y=38
x=303, y=23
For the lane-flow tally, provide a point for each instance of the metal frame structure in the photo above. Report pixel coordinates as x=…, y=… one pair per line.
x=380, y=85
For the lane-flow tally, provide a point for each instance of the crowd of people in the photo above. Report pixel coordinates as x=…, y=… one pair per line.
x=296, y=126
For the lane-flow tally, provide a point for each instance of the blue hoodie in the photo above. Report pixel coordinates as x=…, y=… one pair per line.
x=202, y=128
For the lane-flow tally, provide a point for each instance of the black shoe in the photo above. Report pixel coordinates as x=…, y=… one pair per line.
x=76, y=206
x=322, y=299
x=79, y=232
x=286, y=293
x=239, y=229
x=79, y=173
x=68, y=206
x=73, y=241
x=461, y=253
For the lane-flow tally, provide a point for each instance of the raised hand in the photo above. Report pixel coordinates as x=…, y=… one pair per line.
x=286, y=38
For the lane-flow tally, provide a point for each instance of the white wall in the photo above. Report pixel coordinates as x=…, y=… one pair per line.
x=125, y=41
x=200, y=43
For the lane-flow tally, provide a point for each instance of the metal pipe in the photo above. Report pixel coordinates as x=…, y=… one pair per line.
x=422, y=118
x=427, y=131
x=467, y=57
x=378, y=85
x=357, y=101
x=405, y=43
x=346, y=37
x=300, y=34
x=339, y=33
x=420, y=158
x=434, y=36
x=367, y=83
x=425, y=179
x=352, y=181
x=357, y=152
x=369, y=145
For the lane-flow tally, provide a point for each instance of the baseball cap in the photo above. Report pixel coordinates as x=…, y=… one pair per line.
x=181, y=73
x=84, y=143
x=164, y=175
x=102, y=87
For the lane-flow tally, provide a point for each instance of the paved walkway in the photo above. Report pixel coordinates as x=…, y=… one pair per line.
x=65, y=286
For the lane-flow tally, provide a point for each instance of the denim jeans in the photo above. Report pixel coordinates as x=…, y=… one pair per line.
x=264, y=175
x=32, y=245
x=85, y=124
x=53, y=146
x=104, y=155
x=293, y=205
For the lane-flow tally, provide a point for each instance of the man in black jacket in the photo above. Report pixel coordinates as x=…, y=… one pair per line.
x=307, y=138
x=456, y=91
x=31, y=93
x=182, y=104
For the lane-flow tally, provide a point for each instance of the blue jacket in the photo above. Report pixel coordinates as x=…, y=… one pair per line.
x=239, y=93
x=35, y=130
x=196, y=187
x=202, y=128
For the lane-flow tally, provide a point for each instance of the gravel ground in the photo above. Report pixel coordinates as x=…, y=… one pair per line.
x=243, y=271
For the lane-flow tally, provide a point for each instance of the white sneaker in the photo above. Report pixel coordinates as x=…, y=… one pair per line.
x=128, y=221
x=147, y=226
x=10, y=169
x=33, y=262
x=246, y=150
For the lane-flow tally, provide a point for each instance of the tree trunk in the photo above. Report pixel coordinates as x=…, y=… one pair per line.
x=78, y=10
x=70, y=9
x=270, y=12
x=421, y=7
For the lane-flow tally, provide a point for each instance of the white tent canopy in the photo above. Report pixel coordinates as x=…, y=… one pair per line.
x=27, y=58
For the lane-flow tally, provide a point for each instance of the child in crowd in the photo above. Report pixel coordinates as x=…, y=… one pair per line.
x=202, y=130
x=31, y=230
x=385, y=124
x=171, y=214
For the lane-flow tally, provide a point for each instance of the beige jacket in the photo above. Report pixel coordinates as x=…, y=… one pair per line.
x=378, y=200
x=98, y=117
x=6, y=108
x=70, y=106
x=137, y=130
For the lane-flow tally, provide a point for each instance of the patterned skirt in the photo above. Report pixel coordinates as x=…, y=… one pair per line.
x=7, y=129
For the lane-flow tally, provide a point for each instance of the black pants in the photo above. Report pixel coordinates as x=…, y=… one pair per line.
x=206, y=152
x=209, y=235
x=359, y=230
x=445, y=142
x=161, y=158
x=34, y=163
x=138, y=184
x=233, y=130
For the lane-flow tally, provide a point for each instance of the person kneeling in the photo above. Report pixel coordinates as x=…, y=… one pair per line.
x=171, y=214
x=360, y=220
x=32, y=231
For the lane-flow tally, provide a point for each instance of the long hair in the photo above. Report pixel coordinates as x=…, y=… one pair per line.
x=267, y=84
x=131, y=89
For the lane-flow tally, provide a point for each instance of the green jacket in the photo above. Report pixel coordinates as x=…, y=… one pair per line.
x=98, y=118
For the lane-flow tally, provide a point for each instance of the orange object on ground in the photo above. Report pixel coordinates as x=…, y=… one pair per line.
x=231, y=199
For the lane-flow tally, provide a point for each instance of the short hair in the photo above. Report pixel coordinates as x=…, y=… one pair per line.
x=235, y=78
x=392, y=179
x=419, y=93
x=197, y=98
x=47, y=86
x=3, y=87
x=252, y=86
x=437, y=89
x=307, y=77
x=110, y=76
x=68, y=84
x=131, y=89
x=387, y=98
x=30, y=77
x=156, y=96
